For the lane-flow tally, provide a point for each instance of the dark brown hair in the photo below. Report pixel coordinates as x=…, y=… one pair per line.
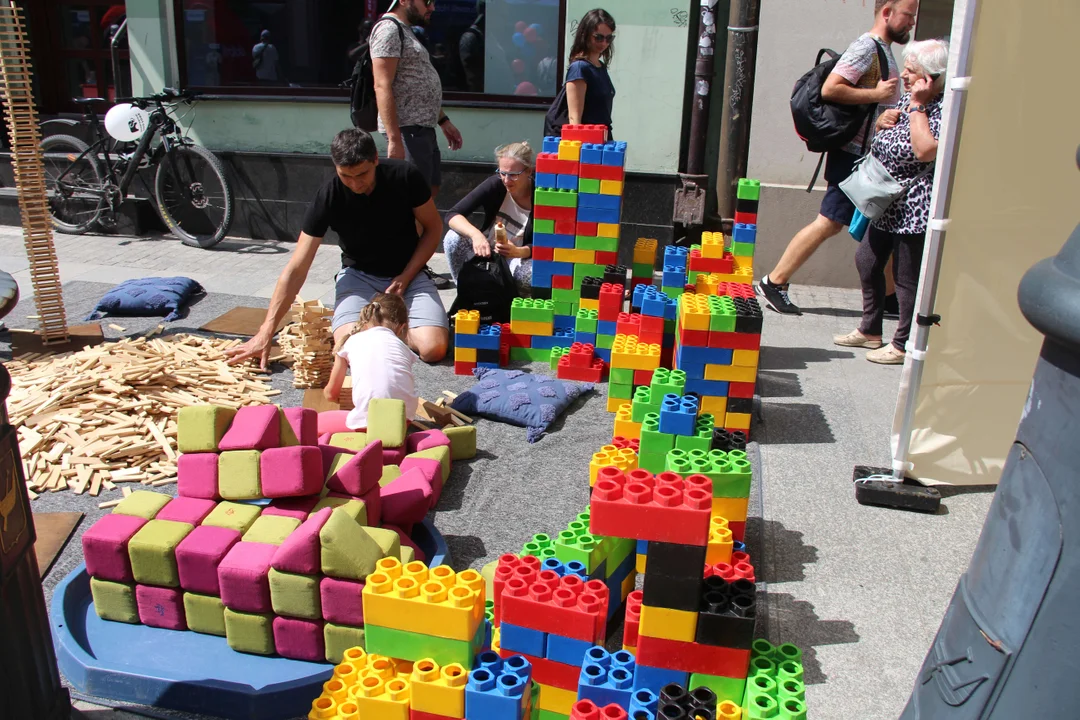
x=880, y=5
x=585, y=29
x=388, y=311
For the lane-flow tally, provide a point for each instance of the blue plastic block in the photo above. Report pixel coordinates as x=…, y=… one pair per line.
x=522, y=640
x=744, y=233
x=678, y=415
x=592, y=154
x=546, y=180
x=737, y=545
x=642, y=547
x=492, y=365
x=676, y=255
x=585, y=338
x=638, y=295
x=623, y=659
x=656, y=678
x=694, y=354
x=553, y=241
x=693, y=370
x=605, y=682
x=606, y=327
x=565, y=322
x=544, y=270
x=604, y=354
x=487, y=636
x=576, y=567
x=714, y=388
x=642, y=714
x=625, y=568
x=498, y=694
x=602, y=202
x=597, y=215
x=567, y=182
x=615, y=154
x=674, y=276
x=551, y=144
x=561, y=338
x=486, y=338
x=644, y=699
x=656, y=303
x=567, y=651
x=554, y=565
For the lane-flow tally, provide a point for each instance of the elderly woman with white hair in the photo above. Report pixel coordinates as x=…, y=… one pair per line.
x=906, y=144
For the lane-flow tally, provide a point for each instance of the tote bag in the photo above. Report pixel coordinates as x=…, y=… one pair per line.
x=872, y=188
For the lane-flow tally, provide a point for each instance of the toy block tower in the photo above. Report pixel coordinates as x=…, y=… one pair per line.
x=466, y=324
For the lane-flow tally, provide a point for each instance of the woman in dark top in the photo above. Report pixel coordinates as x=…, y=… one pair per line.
x=589, y=92
x=506, y=197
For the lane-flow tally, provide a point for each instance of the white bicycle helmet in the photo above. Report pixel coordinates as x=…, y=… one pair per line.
x=126, y=123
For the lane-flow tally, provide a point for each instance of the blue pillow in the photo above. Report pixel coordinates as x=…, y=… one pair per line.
x=518, y=398
x=147, y=297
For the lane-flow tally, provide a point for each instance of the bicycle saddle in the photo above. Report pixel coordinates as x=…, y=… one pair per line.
x=87, y=101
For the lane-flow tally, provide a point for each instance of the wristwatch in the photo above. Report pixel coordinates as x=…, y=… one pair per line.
x=918, y=109
x=444, y=119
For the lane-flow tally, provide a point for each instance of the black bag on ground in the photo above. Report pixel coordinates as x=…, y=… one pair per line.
x=363, y=110
x=557, y=115
x=485, y=284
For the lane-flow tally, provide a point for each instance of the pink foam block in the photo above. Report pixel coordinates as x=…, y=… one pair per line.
x=332, y=421
x=342, y=602
x=196, y=476
x=373, y=503
x=361, y=473
x=299, y=639
x=199, y=554
x=432, y=470
x=255, y=427
x=295, y=507
x=291, y=471
x=242, y=576
x=105, y=547
x=393, y=456
x=425, y=440
x=304, y=423
x=329, y=452
x=186, y=510
x=301, y=552
x=406, y=540
x=161, y=607
x=406, y=499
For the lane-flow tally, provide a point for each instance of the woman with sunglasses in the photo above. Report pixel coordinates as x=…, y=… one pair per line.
x=589, y=91
x=506, y=198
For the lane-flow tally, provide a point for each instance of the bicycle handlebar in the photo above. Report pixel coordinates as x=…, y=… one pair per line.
x=166, y=95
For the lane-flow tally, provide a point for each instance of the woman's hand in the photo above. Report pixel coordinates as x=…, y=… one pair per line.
x=888, y=119
x=922, y=91
x=480, y=245
x=509, y=250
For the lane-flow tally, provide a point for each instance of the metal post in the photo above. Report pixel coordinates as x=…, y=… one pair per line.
x=738, y=102
x=114, y=50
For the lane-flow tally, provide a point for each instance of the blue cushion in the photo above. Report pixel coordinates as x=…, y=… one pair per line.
x=147, y=297
x=519, y=398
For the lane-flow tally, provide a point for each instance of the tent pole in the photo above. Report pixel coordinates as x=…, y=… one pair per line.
x=952, y=116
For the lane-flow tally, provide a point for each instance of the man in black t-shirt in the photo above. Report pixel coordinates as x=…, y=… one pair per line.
x=374, y=206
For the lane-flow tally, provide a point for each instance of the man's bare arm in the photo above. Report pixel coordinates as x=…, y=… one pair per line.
x=384, y=71
x=837, y=89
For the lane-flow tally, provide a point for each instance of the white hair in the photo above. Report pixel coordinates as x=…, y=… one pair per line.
x=932, y=57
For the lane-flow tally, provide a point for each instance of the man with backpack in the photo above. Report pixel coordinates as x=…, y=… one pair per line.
x=858, y=78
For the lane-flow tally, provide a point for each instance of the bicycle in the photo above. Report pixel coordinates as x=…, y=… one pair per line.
x=86, y=183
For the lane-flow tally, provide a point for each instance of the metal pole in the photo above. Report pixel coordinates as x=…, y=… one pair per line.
x=738, y=101
x=114, y=51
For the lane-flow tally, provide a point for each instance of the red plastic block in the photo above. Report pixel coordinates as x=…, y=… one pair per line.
x=562, y=282
x=639, y=507
x=735, y=289
x=464, y=368
x=547, y=212
x=593, y=373
x=421, y=715
x=550, y=163
x=568, y=609
x=510, y=566
x=543, y=253
x=643, y=377
x=566, y=227
x=595, y=134
x=667, y=357
x=743, y=218
x=692, y=657
x=607, y=258
x=738, y=529
x=611, y=300
x=632, y=621
x=652, y=324
x=588, y=229
x=735, y=570
x=549, y=672
x=588, y=710
x=580, y=355
x=622, y=443
x=628, y=324
x=696, y=263
x=596, y=172
x=741, y=390
x=693, y=338
x=734, y=340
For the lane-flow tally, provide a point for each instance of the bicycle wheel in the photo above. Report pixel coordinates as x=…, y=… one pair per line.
x=73, y=184
x=193, y=196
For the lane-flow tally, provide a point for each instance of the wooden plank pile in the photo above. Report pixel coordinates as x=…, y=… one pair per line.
x=93, y=419
x=308, y=342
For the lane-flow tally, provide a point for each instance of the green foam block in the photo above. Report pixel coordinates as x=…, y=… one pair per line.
x=114, y=601
x=288, y=435
x=152, y=551
x=199, y=428
x=462, y=442
x=440, y=453
x=271, y=529
x=390, y=473
x=407, y=554
x=355, y=441
x=340, y=460
x=295, y=595
x=339, y=638
x=142, y=503
x=250, y=632
x=356, y=509
x=347, y=552
x=238, y=475
x=205, y=614
x=387, y=540
x=387, y=421
x=235, y=516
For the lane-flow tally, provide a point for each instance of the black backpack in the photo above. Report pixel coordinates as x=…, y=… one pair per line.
x=363, y=110
x=823, y=125
x=557, y=115
x=485, y=284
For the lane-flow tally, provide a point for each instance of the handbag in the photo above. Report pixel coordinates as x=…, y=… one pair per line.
x=872, y=188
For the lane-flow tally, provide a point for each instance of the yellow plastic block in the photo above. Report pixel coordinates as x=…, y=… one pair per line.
x=464, y=354
x=440, y=691
x=694, y=311
x=436, y=602
x=711, y=404
x=720, y=541
x=613, y=404
x=737, y=421
x=731, y=373
x=624, y=426
x=645, y=250
x=589, y=303
x=611, y=187
x=608, y=230
x=712, y=244
x=630, y=649
x=627, y=352
x=378, y=699
x=706, y=284
x=570, y=150
x=467, y=322
x=628, y=584
x=731, y=509
x=557, y=700
x=668, y=624
x=531, y=327
x=745, y=358
x=610, y=456
x=573, y=255
x=639, y=564
x=743, y=262
x=323, y=708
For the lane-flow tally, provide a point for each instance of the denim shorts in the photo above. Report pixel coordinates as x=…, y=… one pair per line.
x=355, y=290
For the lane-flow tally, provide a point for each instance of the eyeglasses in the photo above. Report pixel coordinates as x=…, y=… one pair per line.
x=509, y=173
x=600, y=37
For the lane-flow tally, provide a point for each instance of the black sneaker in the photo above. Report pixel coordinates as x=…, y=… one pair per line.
x=441, y=283
x=777, y=297
x=892, y=307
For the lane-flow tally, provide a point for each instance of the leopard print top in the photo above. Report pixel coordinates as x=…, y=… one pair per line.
x=910, y=214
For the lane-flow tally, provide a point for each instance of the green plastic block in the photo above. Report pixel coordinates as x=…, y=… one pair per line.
x=205, y=614
x=600, y=244
x=748, y=189
x=559, y=295
x=238, y=475
x=142, y=503
x=645, y=401
x=540, y=714
x=670, y=382
x=672, y=292
x=586, y=321
x=532, y=310
x=566, y=308
x=390, y=473
x=584, y=270
x=294, y=595
x=250, y=632
x=742, y=249
x=528, y=355
x=725, y=688
x=389, y=541
x=152, y=551
x=271, y=529
x=556, y=354
x=702, y=440
x=407, y=645
x=356, y=509
x=544, y=226
x=620, y=391
x=622, y=376
x=387, y=421
x=605, y=341
x=552, y=197
x=621, y=548
x=355, y=441
x=652, y=462
x=236, y=516
x=586, y=185
x=339, y=638
x=462, y=442
x=199, y=428
x=693, y=275
x=653, y=441
x=583, y=547
x=407, y=554
x=440, y=453
x=723, y=321
x=348, y=552
x=641, y=270
x=114, y=601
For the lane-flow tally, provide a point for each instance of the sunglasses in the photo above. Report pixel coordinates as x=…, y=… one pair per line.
x=509, y=173
x=600, y=37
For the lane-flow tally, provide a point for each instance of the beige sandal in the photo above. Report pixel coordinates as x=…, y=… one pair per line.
x=857, y=339
x=887, y=355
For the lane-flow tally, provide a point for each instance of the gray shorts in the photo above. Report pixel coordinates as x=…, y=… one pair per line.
x=355, y=290
x=422, y=150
